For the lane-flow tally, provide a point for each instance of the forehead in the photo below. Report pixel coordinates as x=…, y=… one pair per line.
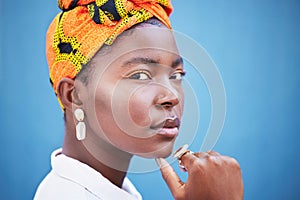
x=149, y=40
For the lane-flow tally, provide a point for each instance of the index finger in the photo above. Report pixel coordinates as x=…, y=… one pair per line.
x=171, y=178
x=189, y=159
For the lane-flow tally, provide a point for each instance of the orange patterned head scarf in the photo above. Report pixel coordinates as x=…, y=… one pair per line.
x=83, y=26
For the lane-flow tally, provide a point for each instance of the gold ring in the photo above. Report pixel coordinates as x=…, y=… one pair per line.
x=179, y=153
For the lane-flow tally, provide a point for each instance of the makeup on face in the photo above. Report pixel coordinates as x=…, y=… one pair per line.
x=137, y=95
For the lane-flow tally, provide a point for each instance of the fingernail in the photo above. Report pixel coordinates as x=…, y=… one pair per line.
x=161, y=162
x=179, y=152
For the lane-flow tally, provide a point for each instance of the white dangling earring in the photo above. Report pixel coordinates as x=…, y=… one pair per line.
x=80, y=127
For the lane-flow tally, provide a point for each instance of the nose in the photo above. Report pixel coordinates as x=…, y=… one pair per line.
x=167, y=100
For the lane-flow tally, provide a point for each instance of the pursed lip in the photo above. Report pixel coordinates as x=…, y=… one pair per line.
x=168, y=123
x=169, y=127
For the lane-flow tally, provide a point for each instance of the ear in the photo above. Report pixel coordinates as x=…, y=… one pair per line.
x=67, y=93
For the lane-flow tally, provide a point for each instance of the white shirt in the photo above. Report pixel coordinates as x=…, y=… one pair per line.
x=72, y=179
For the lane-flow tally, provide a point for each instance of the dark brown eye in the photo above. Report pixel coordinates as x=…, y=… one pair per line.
x=178, y=75
x=140, y=75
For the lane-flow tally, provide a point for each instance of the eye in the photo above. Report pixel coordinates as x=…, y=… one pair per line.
x=178, y=75
x=140, y=75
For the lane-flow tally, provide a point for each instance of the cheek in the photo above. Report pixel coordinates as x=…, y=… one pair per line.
x=102, y=107
x=140, y=104
x=131, y=105
x=124, y=107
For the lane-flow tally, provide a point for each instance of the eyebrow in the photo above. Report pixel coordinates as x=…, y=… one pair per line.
x=147, y=60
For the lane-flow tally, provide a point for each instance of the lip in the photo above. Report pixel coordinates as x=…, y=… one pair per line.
x=168, y=132
x=169, y=127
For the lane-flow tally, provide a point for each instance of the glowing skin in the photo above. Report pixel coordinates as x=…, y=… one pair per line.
x=135, y=91
x=133, y=102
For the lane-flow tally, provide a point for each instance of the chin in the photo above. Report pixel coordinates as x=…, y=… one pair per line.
x=162, y=152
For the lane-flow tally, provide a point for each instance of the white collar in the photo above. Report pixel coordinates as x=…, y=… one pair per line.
x=91, y=179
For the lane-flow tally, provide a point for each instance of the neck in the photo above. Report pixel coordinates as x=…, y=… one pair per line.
x=98, y=154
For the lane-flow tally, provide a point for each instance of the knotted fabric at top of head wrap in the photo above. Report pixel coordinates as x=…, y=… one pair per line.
x=83, y=26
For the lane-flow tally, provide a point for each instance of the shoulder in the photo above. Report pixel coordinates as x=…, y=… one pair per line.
x=56, y=187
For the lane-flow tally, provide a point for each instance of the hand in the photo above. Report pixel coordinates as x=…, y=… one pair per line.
x=210, y=176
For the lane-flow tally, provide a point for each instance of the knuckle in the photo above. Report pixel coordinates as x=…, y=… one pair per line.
x=194, y=163
x=197, y=154
x=234, y=163
x=212, y=152
x=215, y=161
x=200, y=154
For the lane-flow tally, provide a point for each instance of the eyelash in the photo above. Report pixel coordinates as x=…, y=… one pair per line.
x=181, y=73
x=148, y=75
x=144, y=72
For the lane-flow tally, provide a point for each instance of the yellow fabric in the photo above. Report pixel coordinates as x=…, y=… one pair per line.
x=83, y=26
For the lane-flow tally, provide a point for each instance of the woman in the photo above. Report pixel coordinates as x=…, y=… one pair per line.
x=117, y=72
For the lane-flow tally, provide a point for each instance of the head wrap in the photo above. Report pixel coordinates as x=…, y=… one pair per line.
x=83, y=26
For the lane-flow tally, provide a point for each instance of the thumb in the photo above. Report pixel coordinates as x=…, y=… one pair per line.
x=171, y=178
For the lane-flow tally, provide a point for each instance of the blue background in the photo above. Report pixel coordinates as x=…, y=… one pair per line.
x=256, y=47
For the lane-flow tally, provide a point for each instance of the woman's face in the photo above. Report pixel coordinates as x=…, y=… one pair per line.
x=134, y=98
